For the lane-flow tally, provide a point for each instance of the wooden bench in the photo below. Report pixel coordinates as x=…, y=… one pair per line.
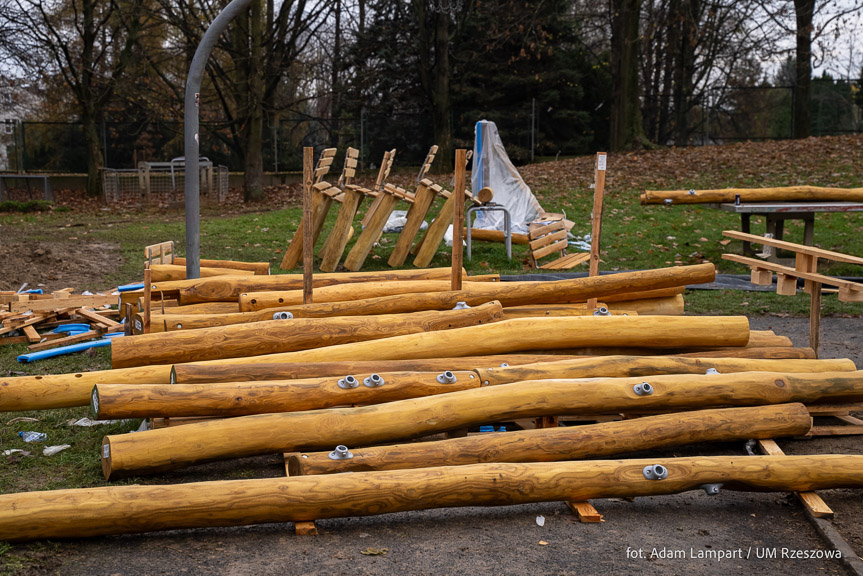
x=548, y=238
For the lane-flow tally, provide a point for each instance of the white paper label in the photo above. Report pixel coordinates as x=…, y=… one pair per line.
x=600, y=162
x=106, y=450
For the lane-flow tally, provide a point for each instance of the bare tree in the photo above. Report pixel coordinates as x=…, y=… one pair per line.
x=87, y=44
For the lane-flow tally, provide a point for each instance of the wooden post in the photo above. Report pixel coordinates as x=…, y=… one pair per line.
x=147, y=298
x=596, y=218
x=127, y=328
x=458, y=218
x=815, y=317
x=308, y=228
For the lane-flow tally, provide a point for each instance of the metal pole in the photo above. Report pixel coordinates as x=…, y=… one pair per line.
x=190, y=130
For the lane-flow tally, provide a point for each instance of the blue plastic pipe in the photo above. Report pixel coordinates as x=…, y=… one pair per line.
x=33, y=356
x=130, y=287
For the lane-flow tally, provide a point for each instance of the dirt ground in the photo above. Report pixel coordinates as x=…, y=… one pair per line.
x=508, y=540
x=54, y=266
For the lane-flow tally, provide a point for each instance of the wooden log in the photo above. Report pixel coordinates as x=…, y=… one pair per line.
x=782, y=194
x=767, y=339
x=508, y=293
x=423, y=199
x=85, y=512
x=596, y=218
x=774, y=353
x=630, y=366
x=259, y=268
x=114, y=401
x=244, y=340
x=158, y=450
x=203, y=308
x=670, y=306
x=645, y=294
x=309, y=236
x=483, y=235
x=556, y=311
x=171, y=272
x=457, y=219
x=371, y=232
x=506, y=336
x=335, y=245
x=228, y=288
x=571, y=442
x=203, y=373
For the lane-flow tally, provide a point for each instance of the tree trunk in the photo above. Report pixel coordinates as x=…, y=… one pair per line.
x=687, y=19
x=441, y=97
x=93, y=149
x=801, y=122
x=626, y=124
x=254, y=165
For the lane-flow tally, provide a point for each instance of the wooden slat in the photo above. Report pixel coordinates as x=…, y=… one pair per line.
x=799, y=248
x=852, y=289
x=71, y=302
x=10, y=326
x=99, y=319
x=812, y=501
x=31, y=334
x=547, y=239
x=550, y=249
x=568, y=261
x=537, y=230
x=67, y=340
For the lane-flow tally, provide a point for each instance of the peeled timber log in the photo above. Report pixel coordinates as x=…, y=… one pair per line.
x=110, y=401
x=508, y=293
x=203, y=373
x=259, y=338
x=571, y=442
x=171, y=272
x=670, y=306
x=506, y=336
x=783, y=194
x=87, y=512
x=228, y=289
x=259, y=268
x=165, y=449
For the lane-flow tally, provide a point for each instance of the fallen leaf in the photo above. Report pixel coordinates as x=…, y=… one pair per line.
x=543, y=543
x=375, y=552
x=725, y=242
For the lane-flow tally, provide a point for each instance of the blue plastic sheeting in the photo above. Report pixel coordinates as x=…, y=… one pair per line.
x=71, y=328
x=32, y=291
x=33, y=356
x=130, y=287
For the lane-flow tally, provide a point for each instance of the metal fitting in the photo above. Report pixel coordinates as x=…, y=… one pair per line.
x=601, y=311
x=712, y=371
x=504, y=365
x=655, y=472
x=373, y=381
x=341, y=453
x=667, y=201
x=282, y=316
x=750, y=447
x=446, y=377
x=711, y=489
x=461, y=306
x=692, y=191
x=348, y=382
x=643, y=389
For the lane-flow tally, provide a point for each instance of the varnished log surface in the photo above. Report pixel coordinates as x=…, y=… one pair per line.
x=228, y=289
x=571, y=442
x=508, y=293
x=203, y=373
x=782, y=194
x=506, y=336
x=157, y=450
x=171, y=272
x=129, y=509
x=260, y=268
x=269, y=337
x=114, y=401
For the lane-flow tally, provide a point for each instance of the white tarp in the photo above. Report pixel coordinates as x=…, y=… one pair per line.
x=492, y=167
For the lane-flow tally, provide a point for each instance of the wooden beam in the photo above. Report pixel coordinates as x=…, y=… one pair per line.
x=67, y=340
x=458, y=219
x=596, y=218
x=70, y=302
x=798, y=248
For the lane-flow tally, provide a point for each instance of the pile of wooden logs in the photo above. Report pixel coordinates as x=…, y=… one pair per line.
x=237, y=365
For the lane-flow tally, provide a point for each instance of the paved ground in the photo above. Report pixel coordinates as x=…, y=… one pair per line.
x=692, y=528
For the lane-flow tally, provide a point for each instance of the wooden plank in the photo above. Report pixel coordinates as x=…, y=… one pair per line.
x=423, y=199
x=798, y=248
x=67, y=340
x=566, y=262
x=24, y=339
x=551, y=248
x=585, y=512
x=363, y=246
x=31, y=334
x=812, y=501
x=834, y=409
x=19, y=325
x=308, y=228
x=98, y=319
x=852, y=289
x=836, y=431
x=556, y=232
x=457, y=219
x=596, y=219
x=341, y=232
x=306, y=528
x=848, y=419
x=71, y=302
